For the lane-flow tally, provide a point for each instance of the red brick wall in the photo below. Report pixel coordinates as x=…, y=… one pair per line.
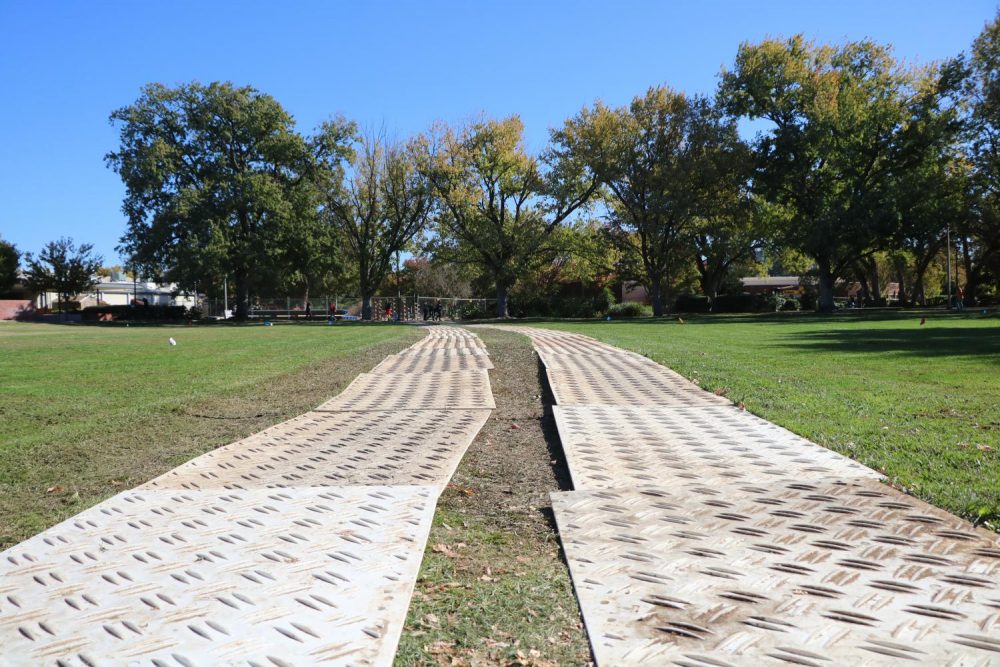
x=11, y=308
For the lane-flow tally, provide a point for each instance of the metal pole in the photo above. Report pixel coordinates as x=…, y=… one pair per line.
x=948, y=251
x=225, y=296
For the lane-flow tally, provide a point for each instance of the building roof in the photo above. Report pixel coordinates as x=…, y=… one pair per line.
x=770, y=281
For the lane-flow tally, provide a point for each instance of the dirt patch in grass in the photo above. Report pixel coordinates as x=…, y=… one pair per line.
x=494, y=588
x=52, y=481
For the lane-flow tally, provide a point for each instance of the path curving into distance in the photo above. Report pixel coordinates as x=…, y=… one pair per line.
x=298, y=545
x=699, y=535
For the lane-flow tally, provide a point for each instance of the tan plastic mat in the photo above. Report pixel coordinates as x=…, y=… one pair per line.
x=180, y=578
x=338, y=448
x=448, y=343
x=457, y=390
x=613, y=446
x=807, y=573
x=433, y=363
x=627, y=385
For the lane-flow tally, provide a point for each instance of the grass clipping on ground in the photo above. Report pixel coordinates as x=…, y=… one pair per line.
x=494, y=588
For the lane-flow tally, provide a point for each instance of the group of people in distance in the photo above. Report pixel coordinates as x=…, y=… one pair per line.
x=431, y=312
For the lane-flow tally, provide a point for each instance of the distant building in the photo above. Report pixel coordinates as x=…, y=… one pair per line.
x=117, y=290
x=770, y=284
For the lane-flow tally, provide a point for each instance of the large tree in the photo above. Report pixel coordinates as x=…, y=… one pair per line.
x=498, y=205
x=381, y=202
x=10, y=260
x=63, y=268
x=980, y=237
x=829, y=157
x=211, y=174
x=675, y=170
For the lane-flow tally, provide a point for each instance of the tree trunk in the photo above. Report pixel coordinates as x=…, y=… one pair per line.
x=656, y=297
x=825, y=287
x=973, y=274
x=501, y=301
x=876, y=287
x=901, y=286
x=242, y=296
x=366, y=307
x=710, y=287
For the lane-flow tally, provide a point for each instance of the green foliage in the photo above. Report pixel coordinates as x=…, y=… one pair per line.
x=629, y=309
x=604, y=301
x=981, y=230
x=737, y=303
x=671, y=165
x=10, y=261
x=62, y=268
x=499, y=206
x=214, y=175
x=845, y=122
x=135, y=313
x=692, y=303
x=382, y=202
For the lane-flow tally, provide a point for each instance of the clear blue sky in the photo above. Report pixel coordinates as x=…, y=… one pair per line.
x=65, y=66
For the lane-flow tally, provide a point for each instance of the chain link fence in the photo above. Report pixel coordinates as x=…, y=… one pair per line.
x=414, y=308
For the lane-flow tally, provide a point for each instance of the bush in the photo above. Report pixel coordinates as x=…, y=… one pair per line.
x=790, y=304
x=808, y=301
x=691, y=303
x=774, y=302
x=472, y=310
x=136, y=313
x=630, y=309
x=194, y=313
x=576, y=307
x=736, y=303
x=604, y=301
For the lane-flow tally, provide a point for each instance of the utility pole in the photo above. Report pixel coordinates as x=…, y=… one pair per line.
x=225, y=297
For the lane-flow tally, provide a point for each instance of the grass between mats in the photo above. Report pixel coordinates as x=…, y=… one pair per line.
x=493, y=587
x=88, y=411
x=921, y=403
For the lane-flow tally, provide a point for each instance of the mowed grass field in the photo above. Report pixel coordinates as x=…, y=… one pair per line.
x=920, y=403
x=88, y=411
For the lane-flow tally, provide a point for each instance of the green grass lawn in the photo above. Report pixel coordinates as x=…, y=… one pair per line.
x=919, y=403
x=87, y=411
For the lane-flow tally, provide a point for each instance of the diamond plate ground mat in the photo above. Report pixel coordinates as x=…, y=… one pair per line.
x=626, y=385
x=561, y=342
x=614, y=446
x=183, y=578
x=338, y=448
x=444, y=342
x=432, y=363
x=456, y=390
x=804, y=573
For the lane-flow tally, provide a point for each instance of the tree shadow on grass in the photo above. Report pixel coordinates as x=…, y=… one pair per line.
x=800, y=318
x=983, y=343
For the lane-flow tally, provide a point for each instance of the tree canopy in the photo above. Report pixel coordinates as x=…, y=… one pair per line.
x=63, y=268
x=669, y=163
x=214, y=176
x=10, y=262
x=380, y=203
x=498, y=205
x=861, y=169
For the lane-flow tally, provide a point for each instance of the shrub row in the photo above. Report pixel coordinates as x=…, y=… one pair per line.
x=136, y=313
